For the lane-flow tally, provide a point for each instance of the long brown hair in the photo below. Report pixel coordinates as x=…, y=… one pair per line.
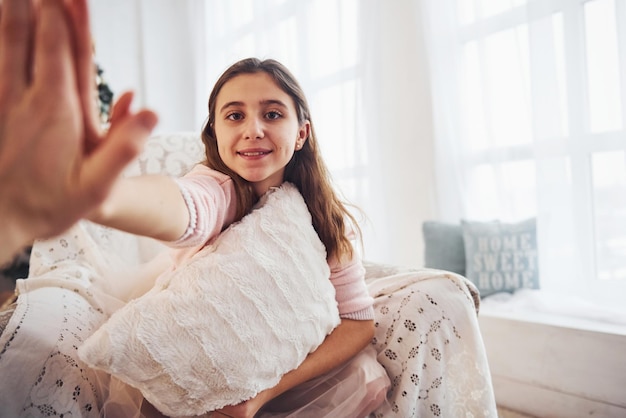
x=306, y=169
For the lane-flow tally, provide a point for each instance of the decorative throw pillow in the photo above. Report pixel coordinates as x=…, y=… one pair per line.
x=443, y=246
x=501, y=257
x=230, y=321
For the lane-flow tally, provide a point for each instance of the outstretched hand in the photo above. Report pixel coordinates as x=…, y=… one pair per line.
x=55, y=163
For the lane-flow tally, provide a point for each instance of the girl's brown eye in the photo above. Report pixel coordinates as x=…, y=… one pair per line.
x=273, y=115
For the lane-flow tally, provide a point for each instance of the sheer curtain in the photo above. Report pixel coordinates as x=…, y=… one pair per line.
x=528, y=100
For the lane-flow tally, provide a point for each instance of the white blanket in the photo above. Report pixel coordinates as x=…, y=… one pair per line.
x=229, y=322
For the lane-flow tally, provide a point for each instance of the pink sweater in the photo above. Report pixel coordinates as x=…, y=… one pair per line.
x=211, y=200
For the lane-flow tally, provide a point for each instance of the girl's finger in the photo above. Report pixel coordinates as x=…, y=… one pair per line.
x=53, y=55
x=121, y=107
x=85, y=67
x=122, y=145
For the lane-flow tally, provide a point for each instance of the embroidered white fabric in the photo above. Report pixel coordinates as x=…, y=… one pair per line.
x=58, y=307
x=428, y=340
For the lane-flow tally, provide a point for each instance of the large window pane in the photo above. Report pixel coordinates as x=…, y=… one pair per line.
x=472, y=99
x=507, y=83
x=549, y=93
x=335, y=116
x=482, y=191
x=518, y=182
x=605, y=107
x=609, y=185
x=505, y=191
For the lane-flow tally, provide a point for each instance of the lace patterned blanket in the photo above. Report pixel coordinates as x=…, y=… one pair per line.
x=428, y=340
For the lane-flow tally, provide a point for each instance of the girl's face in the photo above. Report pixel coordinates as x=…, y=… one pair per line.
x=257, y=130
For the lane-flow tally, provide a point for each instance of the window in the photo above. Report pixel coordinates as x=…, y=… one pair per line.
x=541, y=116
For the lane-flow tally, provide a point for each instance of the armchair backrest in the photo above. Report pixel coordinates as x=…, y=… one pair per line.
x=173, y=154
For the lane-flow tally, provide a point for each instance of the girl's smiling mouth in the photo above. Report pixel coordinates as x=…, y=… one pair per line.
x=251, y=153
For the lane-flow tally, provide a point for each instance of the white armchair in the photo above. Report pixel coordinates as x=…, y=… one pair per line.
x=427, y=334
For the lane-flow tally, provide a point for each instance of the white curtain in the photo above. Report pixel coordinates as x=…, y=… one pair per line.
x=361, y=64
x=528, y=100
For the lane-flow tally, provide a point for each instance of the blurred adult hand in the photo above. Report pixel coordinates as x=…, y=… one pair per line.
x=55, y=163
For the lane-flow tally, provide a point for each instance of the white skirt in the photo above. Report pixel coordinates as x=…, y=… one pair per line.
x=352, y=390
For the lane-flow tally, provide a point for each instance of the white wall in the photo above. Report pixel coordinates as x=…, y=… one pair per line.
x=130, y=33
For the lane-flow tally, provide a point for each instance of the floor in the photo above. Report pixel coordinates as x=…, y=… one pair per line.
x=507, y=413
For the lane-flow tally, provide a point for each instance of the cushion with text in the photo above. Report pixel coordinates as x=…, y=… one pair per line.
x=501, y=257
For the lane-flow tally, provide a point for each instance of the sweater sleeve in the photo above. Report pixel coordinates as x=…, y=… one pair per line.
x=353, y=298
x=211, y=202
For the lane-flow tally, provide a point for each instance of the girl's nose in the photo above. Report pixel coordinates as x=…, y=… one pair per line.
x=254, y=129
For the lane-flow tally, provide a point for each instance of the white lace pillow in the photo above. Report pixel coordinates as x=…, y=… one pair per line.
x=229, y=322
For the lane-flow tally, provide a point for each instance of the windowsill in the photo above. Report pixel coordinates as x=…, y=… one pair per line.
x=541, y=307
x=557, y=320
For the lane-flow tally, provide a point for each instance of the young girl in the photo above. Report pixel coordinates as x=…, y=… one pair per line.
x=258, y=135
